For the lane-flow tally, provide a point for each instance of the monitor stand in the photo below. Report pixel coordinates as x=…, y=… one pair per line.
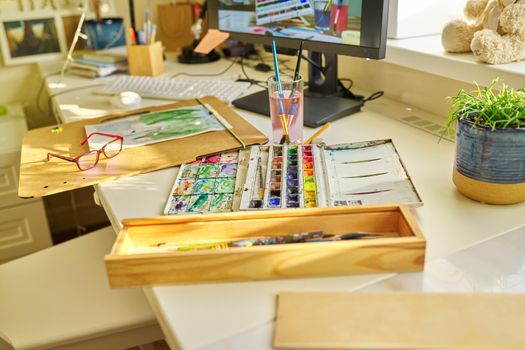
x=323, y=100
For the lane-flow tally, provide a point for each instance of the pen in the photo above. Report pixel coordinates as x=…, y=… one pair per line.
x=317, y=133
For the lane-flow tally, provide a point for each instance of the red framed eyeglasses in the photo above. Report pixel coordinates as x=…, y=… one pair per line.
x=90, y=159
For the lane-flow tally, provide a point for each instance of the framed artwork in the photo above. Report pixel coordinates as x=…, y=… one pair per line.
x=31, y=38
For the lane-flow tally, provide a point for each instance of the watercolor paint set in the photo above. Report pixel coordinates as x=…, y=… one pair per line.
x=205, y=185
x=280, y=176
x=294, y=176
x=318, y=175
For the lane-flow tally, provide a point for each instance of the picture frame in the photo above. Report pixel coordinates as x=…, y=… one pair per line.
x=30, y=38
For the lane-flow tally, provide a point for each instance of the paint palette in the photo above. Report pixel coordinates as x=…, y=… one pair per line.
x=309, y=176
x=276, y=178
x=366, y=173
x=293, y=176
x=206, y=185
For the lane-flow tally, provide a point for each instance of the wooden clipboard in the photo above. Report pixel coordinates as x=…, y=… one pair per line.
x=39, y=177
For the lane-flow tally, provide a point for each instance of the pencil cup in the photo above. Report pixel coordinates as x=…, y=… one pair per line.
x=145, y=60
x=286, y=110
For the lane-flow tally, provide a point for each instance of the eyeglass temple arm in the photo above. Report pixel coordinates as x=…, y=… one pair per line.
x=101, y=134
x=49, y=155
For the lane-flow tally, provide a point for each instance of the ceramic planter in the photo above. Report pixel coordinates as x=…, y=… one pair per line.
x=490, y=164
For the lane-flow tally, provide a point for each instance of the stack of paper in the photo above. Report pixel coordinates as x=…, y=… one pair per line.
x=98, y=63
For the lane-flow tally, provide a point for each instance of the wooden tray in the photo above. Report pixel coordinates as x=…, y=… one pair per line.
x=140, y=257
x=38, y=177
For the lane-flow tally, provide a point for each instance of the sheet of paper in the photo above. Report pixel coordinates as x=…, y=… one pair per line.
x=148, y=128
x=211, y=40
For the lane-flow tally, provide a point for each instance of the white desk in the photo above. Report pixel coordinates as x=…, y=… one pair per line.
x=239, y=315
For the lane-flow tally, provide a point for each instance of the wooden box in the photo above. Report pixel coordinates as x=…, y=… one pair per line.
x=142, y=254
x=145, y=60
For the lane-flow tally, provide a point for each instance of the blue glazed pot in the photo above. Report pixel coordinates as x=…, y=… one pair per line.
x=490, y=160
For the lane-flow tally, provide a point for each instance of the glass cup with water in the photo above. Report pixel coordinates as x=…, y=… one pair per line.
x=286, y=110
x=322, y=11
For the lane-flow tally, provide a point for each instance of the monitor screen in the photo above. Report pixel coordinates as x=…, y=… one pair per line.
x=352, y=27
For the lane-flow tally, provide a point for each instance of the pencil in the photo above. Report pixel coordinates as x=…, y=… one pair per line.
x=317, y=133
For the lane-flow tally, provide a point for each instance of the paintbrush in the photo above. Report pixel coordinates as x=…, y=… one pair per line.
x=327, y=6
x=297, y=69
x=282, y=116
x=217, y=116
x=303, y=237
x=261, y=181
x=296, y=75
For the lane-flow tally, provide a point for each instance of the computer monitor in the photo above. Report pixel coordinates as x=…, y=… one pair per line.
x=327, y=28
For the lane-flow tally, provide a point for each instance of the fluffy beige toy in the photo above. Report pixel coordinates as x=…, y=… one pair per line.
x=494, y=31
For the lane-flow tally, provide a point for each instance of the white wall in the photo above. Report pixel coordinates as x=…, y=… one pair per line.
x=20, y=83
x=422, y=90
x=20, y=86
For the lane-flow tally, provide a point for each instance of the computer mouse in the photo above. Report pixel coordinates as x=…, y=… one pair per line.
x=262, y=67
x=126, y=99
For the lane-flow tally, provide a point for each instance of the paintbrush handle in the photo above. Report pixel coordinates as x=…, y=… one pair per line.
x=248, y=242
x=276, y=67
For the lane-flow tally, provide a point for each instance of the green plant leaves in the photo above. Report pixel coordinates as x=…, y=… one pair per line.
x=489, y=107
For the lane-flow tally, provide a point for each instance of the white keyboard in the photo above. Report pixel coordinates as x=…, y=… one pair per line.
x=175, y=88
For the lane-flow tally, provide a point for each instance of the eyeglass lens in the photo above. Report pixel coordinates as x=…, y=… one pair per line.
x=88, y=160
x=112, y=148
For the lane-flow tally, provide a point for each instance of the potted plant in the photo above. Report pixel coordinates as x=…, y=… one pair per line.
x=490, y=143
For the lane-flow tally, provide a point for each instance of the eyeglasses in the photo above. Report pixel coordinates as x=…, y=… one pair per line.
x=89, y=159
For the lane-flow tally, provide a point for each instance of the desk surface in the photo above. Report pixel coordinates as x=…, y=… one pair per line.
x=233, y=315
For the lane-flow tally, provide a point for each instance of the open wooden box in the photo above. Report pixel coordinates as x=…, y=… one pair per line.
x=141, y=255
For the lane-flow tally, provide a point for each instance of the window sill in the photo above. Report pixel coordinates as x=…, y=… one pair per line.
x=426, y=54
